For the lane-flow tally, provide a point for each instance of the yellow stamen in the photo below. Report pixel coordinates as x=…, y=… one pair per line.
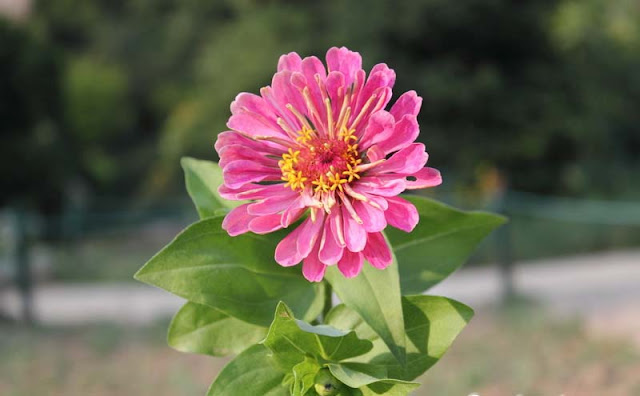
x=320, y=184
x=351, y=173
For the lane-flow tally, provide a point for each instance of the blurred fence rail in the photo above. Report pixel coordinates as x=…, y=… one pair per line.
x=574, y=210
x=110, y=240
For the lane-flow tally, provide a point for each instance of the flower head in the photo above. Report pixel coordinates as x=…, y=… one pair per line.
x=319, y=142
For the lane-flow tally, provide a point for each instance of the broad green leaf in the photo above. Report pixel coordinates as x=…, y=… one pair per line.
x=236, y=275
x=441, y=242
x=304, y=375
x=290, y=340
x=389, y=388
x=253, y=372
x=198, y=328
x=202, y=179
x=370, y=379
x=431, y=322
x=375, y=295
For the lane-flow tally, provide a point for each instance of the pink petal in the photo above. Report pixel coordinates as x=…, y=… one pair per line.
x=317, y=94
x=350, y=264
x=382, y=186
x=252, y=125
x=376, y=200
x=408, y=160
x=250, y=191
x=265, y=224
x=230, y=138
x=358, y=84
x=335, y=89
x=298, y=80
x=373, y=219
x=251, y=103
x=312, y=268
x=374, y=153
x=379, y=128
x=354, y=233
x=279, y=104
x=335, y=222
x=408, y=103
x=345, y=61
x=377, y=251
x=236, y=222
x=383, y=97
x=287, y=253
x=290, y=62
x=390, y=74
x=311, y=232
x=285, y=93
x=381, y=77
x=254, y=116
x=240, y=172
x=425, y=177
x=401, y=214
x=405, y=132
x=237, y=152
x=330, y=251
x=293, y=212
x=273, y=204
x=311, y=66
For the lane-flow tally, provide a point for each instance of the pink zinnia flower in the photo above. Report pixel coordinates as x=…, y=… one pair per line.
x=320, y=142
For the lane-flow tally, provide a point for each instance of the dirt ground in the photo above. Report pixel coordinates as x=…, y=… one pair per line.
x=519, y=351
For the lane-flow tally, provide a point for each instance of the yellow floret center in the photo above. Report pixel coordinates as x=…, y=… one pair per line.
x=323, y=163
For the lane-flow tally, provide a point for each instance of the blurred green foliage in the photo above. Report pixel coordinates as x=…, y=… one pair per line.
x=111, y=93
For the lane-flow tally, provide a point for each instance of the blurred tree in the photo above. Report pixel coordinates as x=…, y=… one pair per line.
x=544, y=90
x=33, y=155
x=538, y=88
x=240, y=54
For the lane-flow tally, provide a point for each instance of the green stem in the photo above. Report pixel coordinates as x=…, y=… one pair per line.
x=328, y=300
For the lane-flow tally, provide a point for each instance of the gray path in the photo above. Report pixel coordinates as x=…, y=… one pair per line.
x=604, y=288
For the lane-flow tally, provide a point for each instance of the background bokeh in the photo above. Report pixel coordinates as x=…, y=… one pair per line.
x=531, y=108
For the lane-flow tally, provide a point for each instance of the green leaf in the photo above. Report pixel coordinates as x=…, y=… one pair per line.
x=291, y=340
x=236, y=275
x=432, y=324
x=198, y=328
x=356, y=375
x=370, y=379
x=389, y=388
x=441, y=242
x=202, y=179
x=375, y=295
x=304, y=375
x=253, y=372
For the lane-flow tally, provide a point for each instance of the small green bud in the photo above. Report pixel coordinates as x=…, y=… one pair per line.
x=326, y=384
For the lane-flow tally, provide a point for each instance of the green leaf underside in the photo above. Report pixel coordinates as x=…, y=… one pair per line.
x=291, y=340
x=432, y=323
x=440, y=243
x=198, y=328
x=253, y=372
x=236, y=275
x=202, y=179
x=375, y=295
x=370, y=379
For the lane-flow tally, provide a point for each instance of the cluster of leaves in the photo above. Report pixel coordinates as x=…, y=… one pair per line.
x=381, y=337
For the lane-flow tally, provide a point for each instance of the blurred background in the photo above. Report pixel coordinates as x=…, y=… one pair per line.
x=531, y=108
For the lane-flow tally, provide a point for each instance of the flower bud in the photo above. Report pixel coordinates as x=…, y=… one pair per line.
x=326, y=384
